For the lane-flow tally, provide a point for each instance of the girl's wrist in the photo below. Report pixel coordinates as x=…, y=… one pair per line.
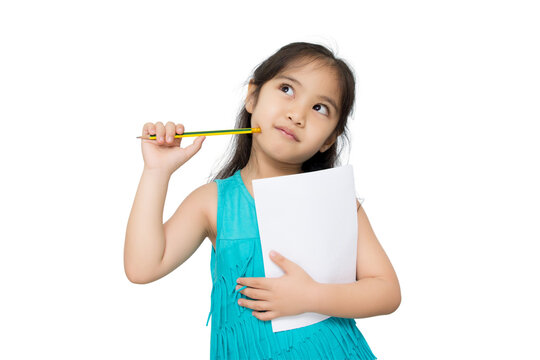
x=157, y=172
x=313, y=295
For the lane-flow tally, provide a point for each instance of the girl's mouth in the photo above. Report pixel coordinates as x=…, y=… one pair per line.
x=287, y=134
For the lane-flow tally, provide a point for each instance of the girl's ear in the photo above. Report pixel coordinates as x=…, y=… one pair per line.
x=249, y=97
x=329, y=142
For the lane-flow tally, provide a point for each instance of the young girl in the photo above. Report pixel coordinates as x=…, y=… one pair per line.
x=300, y=98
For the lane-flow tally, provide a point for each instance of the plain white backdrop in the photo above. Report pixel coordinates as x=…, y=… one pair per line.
x=444, y=148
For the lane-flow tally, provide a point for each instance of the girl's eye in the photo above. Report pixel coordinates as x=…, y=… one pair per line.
x=322, y=106
x=286, y=86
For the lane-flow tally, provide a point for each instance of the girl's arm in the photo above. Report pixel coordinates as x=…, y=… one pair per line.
x=145, y=240
x=376, y=291
x=153, y=249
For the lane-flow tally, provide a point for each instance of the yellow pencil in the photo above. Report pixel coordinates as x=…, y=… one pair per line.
x=209, y=133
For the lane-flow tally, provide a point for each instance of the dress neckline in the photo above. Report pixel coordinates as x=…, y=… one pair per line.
x=243, y=186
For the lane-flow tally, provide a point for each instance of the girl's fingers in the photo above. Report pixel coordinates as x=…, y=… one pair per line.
x=179, y=129
x=146, y=129
x=169, y=132
x=164, y=133
x=160, y=133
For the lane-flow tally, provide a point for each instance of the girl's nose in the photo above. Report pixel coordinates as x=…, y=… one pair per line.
x=296, y=116
x=297, y=112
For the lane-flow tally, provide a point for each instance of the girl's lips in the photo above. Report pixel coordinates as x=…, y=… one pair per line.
x=287, y=134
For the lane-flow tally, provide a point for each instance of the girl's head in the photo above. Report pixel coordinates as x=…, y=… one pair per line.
x=306, y=89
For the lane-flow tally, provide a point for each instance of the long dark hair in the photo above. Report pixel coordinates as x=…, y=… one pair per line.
x=241, y=144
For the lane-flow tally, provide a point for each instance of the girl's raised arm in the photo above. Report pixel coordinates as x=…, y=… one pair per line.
x=149, y=251
x=153, y=249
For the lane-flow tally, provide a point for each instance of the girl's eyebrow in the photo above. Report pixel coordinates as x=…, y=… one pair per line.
x=330, y=100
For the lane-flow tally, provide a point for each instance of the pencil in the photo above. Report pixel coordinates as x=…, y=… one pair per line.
x=209, y=133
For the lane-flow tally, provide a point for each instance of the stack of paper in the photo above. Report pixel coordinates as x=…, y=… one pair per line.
x=311, y=219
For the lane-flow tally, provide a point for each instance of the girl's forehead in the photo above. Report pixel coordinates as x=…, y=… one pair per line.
x=315, y=75
x=309, y=67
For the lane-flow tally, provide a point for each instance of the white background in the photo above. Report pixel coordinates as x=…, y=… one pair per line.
x=444, y=147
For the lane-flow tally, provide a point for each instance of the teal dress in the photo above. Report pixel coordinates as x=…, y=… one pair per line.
x=235, y=332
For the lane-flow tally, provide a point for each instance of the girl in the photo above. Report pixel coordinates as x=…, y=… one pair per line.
x=300, y=98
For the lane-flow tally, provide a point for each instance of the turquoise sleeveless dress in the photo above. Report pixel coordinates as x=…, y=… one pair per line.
x=235, y=332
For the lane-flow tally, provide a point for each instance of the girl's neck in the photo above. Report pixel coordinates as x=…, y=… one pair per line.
x=258, y=170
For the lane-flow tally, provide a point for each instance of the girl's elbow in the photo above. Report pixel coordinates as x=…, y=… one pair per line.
x=395, y=306
x=396, y=300
x=393, y=297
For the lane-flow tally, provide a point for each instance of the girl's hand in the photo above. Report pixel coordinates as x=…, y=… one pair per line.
x=165, y=152
x=291, y=294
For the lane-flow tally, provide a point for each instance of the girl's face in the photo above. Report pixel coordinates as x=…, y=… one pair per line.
x=302, y=100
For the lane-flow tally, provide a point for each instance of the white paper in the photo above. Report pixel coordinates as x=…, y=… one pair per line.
x=311, y=219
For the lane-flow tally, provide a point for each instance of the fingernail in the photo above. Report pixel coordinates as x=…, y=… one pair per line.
x=169, y=138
